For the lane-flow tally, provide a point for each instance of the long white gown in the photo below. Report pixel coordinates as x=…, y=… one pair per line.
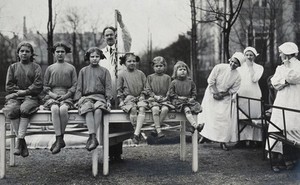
x=288, y=97
x=249, y=88
x=217, y=114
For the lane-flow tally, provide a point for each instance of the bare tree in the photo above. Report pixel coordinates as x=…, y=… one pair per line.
x=50, y=30
x=72, y=18
x=224, y=14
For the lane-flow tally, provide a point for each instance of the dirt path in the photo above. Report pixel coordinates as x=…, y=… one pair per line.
x=152, y=164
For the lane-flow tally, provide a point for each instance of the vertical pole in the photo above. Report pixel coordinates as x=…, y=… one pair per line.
x=115, y=58
x=2, y=145
x=182, y=141
x=12, y=146
x=106, y=144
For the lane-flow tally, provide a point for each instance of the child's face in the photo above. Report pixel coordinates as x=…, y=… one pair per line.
x=130, y=62
x=24, y=53
x=159, y=68
x=60, y=53
x=94, y=58
x=181, y=72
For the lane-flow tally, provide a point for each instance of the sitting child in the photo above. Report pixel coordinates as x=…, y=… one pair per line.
x=131, y=93
x=157, y=87
x=60, y=82
x=183, y=93
x=93, y=94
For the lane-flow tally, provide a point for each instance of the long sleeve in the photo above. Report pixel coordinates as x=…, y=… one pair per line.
x=257, y=73
x=72, y=89
x=149, y=90
x=10, y=85
x=211, y=80
x=47, y=87
x=126, y=37
x=120, y=84
x=108, y=86
x=194, y=90
x=172, y=94
x=78, y=92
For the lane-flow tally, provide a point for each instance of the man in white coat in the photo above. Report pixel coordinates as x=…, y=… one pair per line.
x=111, y=63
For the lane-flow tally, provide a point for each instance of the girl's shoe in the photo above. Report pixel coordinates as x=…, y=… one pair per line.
x=17, y=150
x=24, y=149
x=136, y=139
x=160, y=135
x=93, y=143
x=200, y=127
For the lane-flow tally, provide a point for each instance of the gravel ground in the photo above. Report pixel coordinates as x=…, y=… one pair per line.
x=150, y=164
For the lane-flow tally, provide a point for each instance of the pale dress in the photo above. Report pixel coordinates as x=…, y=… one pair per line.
x=249, y=88
x=217, y=114
x=288, y=97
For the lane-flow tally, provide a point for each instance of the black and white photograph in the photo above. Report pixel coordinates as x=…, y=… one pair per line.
x=121, y=92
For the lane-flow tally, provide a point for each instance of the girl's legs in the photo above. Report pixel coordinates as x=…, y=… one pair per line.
x=59, y=115
x=21, y=136
x=64, y=117
x=97, y=121
x=133, y=116
x=192, y=121
x=155, y=113
x=15, y=125
x=139, y=124
x=92, y=142
x=163, y=113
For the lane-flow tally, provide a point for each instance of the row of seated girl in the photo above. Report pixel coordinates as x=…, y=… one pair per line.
x=91, y=91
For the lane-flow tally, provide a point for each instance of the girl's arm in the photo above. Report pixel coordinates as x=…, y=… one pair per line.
x=120, y=94
x=10, y=85
x=78, y=92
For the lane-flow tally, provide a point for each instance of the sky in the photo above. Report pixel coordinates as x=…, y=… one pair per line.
x=164, y=19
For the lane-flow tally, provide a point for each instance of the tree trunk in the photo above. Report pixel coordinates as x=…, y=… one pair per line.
x=50, y=33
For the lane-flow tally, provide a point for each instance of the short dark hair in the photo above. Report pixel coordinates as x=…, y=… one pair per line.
x=123, y=58
x=27, y=44
x=60, y=44
x=92, y=50
x=109, y=27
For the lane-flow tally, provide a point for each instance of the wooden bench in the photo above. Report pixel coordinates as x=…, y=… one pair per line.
x=284, y=135
x=43, y=118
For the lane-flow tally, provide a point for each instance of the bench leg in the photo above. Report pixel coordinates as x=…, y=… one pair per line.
x=95, y=155
x=12, y=158
x=2, y=146
x=195, y=151
x=182, y=141
x=105, y=144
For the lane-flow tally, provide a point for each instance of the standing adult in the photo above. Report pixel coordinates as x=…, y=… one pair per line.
x=223, y=82
x=110, y=63
x=286, y=81
x=250, y=74
x=23, y=85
